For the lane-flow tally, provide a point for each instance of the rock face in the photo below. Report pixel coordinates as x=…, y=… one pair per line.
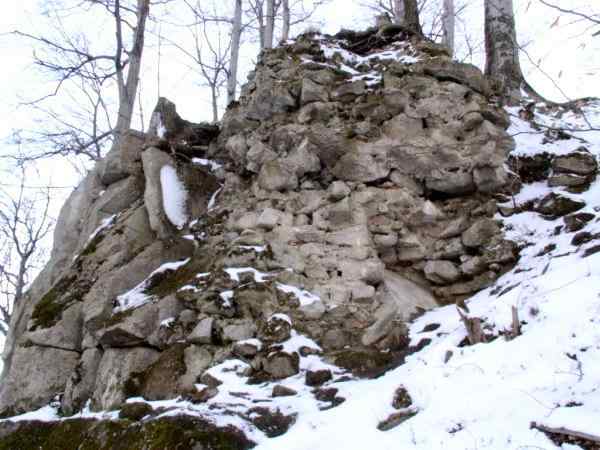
x=350, y=187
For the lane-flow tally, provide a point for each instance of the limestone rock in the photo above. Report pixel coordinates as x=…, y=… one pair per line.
x=480, y=233
x=275, y=176
x=281, y=365
x=114, y=371
x=441, y=272
x=578, y=163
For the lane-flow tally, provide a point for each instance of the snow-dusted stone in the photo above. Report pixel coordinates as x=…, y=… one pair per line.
x=115, y=368
x=578, y=163
x=441, y=272
x=480, y=233
x=276, y=329
x=555, y=205
x=38, y=375
x=203, y=332
x=132, y=328
x=248, y=348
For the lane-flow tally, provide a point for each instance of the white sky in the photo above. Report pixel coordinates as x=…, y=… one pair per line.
x=567, y=53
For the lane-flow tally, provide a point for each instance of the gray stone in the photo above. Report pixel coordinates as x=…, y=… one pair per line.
x=578, y=163
x=313, y=92
x=302, y=160
x=454, y=183
x=115, y=369
x=80, y=385
x=275, y=176
x=441, y=272
x=66, y=334
x=111, y=167
x=133, y=328
x=197, y=359
x=203, y=332
x=238, y=331
x=348, y=91
x=473, y=266
x=338, y=190
x=38, y=374
x=259, y=154
x=480, y=233
x=281, y=365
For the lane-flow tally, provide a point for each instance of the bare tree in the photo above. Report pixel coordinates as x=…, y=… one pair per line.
x=502, y=51
x=448, y=19
x=285, y=28
x=211, y=50
x=270, y=23
x=236, y=38
x=70, y=59
x=411, y=16
x=24, y=224
x=398, y=11
x=592, y=18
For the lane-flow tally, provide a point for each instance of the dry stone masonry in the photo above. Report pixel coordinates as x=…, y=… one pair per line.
x=351, y=187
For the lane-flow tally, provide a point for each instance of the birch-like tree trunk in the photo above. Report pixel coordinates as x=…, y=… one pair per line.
x=501, y=50
x=285, y=31
x=270, y=24
x=398, y=11
x=448, y=26
x=411, y=16
x=128, y=85
x=236, y=35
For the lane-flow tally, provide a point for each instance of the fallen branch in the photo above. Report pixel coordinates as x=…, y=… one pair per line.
x=473, y=326
x=568, y=432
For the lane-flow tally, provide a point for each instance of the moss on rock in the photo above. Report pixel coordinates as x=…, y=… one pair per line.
x=178, y=432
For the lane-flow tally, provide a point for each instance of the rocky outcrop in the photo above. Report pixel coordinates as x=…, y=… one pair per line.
x=351, y=187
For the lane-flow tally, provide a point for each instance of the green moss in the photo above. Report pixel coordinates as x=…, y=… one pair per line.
x=92, y=245
x=179, y=432
x=48, y=311
x=168, y=282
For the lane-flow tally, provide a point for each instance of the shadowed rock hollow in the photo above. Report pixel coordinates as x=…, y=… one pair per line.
x=351, y=187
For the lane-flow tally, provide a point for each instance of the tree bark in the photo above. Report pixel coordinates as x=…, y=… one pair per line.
x=411, y=16
x=236, y=35
x=501, y=50
x=398, y=11
x=448, y=25
x=285, y=32
x=128, y=87
x=270, y=24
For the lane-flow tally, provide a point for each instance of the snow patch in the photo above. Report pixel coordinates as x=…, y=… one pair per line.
x=174, y=196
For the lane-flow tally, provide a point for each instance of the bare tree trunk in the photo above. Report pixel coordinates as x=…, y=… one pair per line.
x=411, y=16
x=501, y=50
x=398, y=11
x=236, y=35
x=270, y=24
x=128, y=87
x=448, y=18
x=285, y=32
